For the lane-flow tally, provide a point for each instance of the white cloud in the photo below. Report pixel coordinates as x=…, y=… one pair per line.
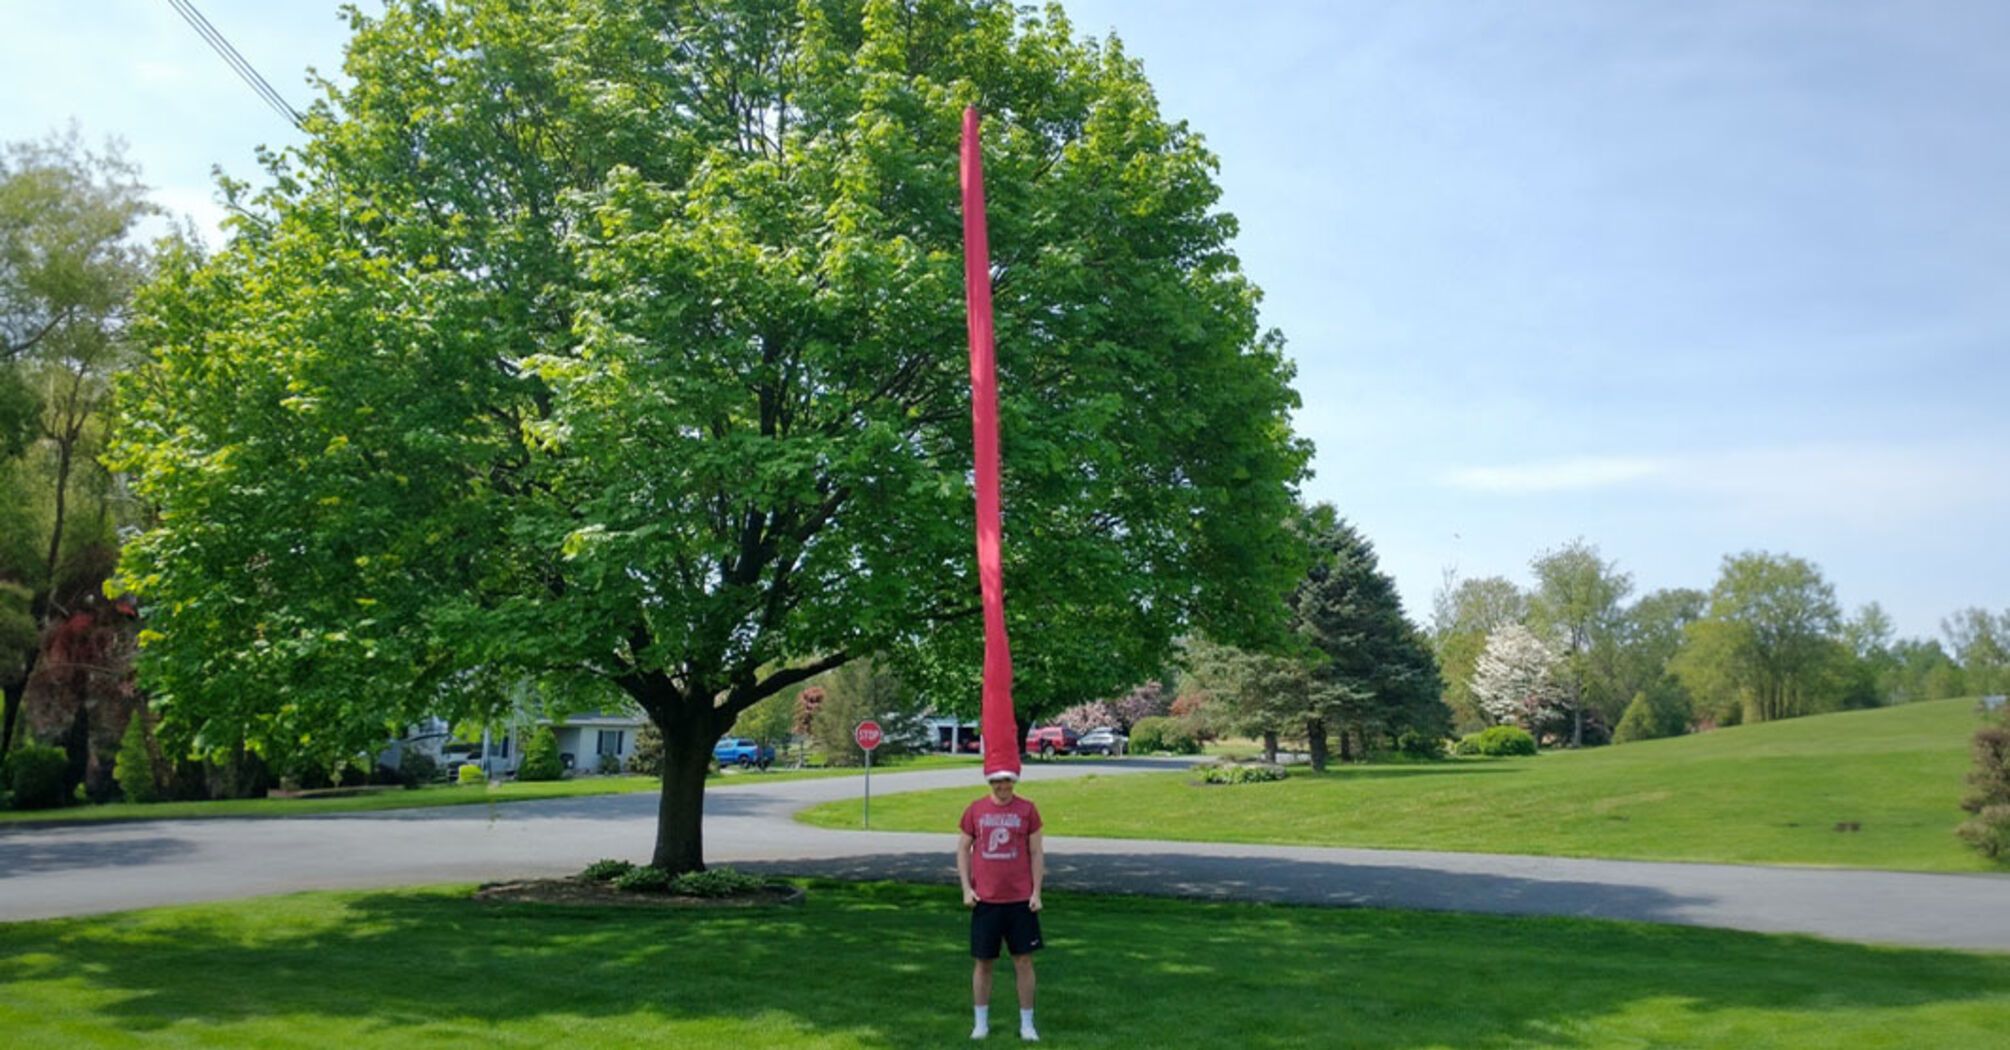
x=1560, y=475
x=1864, y=486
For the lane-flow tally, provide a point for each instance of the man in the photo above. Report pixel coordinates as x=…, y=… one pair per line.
x=1001, y=861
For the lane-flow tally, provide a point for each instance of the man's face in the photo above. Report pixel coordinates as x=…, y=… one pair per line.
x=1001, y=791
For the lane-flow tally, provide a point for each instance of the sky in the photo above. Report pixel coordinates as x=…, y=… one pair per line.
x=1681, y=280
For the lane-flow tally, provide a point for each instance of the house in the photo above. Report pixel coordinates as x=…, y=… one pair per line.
x=582, y=739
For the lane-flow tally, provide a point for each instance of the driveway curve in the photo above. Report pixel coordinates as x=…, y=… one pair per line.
x=86, y=869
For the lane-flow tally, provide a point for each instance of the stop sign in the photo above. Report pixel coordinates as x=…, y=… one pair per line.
x=868, y=735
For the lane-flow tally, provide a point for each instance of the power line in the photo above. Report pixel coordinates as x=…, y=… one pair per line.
x=236, y=61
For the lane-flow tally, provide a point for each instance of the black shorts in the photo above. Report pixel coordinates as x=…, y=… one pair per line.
x=1014, y=923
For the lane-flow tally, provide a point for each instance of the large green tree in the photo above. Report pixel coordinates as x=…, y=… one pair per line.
x=70, y=259
x=1577, y=603
x=1464, y=614
x=1767, y=646
x=625, y=341
x=1981, y=642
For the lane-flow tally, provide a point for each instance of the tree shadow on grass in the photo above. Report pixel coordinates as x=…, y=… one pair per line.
x=884, y=965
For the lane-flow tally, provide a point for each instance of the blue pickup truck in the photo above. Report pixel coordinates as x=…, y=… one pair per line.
x=742, y=752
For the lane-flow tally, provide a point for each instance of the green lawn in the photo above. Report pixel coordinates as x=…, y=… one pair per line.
x=884, y=965
x=1769, y=793
x=444, y=795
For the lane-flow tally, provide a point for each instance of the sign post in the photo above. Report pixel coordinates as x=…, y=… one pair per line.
x=868, y=736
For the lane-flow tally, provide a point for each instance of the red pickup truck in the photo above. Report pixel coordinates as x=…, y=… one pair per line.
x=1052, y=740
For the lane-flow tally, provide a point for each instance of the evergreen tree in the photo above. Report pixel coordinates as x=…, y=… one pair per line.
x=1377, y=677
x=135, y=770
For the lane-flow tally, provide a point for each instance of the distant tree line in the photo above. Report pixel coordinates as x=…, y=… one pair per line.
x=1571, y=658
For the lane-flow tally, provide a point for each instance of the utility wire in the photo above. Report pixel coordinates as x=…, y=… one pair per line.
x=236, y=61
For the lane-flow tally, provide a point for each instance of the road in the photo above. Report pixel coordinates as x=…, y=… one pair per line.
x=85, y=869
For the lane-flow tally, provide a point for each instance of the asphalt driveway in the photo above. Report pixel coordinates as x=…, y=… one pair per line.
x=85, y=869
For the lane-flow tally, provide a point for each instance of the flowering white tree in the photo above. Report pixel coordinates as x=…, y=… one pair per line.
x=1515, y=679
x=1083, y=717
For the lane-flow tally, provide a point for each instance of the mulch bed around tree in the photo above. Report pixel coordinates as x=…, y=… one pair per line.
x=578, y=891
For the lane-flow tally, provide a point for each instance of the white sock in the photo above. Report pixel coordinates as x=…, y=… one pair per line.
x=1025, y=1019
x=983, y=1017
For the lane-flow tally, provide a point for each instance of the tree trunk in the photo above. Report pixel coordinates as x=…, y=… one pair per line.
x=1346, y=746
x=63, y=456
x=10, y=706
x=1315, y=741
x=688, y=737
x=1577, y=723
x=1270, y=746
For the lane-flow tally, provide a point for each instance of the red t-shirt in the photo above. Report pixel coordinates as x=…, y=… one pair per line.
x=1001, y=864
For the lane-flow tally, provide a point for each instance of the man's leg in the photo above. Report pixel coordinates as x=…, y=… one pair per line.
x=1022, y=974
x=980, y=997
x=980, y=982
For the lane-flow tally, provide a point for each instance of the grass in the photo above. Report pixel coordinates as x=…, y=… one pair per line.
x=884, y=966
x=1766, y=794
x=441, y=795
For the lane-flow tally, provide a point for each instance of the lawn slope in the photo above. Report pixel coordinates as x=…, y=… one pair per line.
x=1774, y=793
x=880, y=965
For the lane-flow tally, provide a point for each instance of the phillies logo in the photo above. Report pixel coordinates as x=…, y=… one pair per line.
x=995, y=842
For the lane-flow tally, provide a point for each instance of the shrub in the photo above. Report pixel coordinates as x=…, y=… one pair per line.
x=415, y=767
x=717, y=882
x=1498, y=741
x=645, y=879
x=1258, y=773
x=648, y=754
x=1467, y=745
x=1163, y=734
x=135, y=767
x=607, y=870
x=38, y=774
x=470, y=774
x=1988, y=831
x=609, y=765
x=540, y=757
x=1420, y=745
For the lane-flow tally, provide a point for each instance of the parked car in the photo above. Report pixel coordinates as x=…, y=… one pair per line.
x=742, y=752
x=1048, y=741
x=454, y=756
x=1103, y=740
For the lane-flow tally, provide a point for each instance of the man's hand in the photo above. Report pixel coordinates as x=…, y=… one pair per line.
x=969, y=897
x=1033, y=904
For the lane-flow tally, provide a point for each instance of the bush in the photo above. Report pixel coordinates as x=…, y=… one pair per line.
x=1413, y=744
x=1153, y=735
x=135, y=767
x=1498, y=742
x=1988, y=831
x=38, y=774
x=718, y=882
x=415, y=767
x=470, y=774
x=648, y=754
x=609, y=765
x=645, y=879
x=540, y=757
x=1258, y=773
x=607, y=870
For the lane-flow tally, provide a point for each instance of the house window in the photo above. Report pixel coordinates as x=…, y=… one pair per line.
x=610, y=741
